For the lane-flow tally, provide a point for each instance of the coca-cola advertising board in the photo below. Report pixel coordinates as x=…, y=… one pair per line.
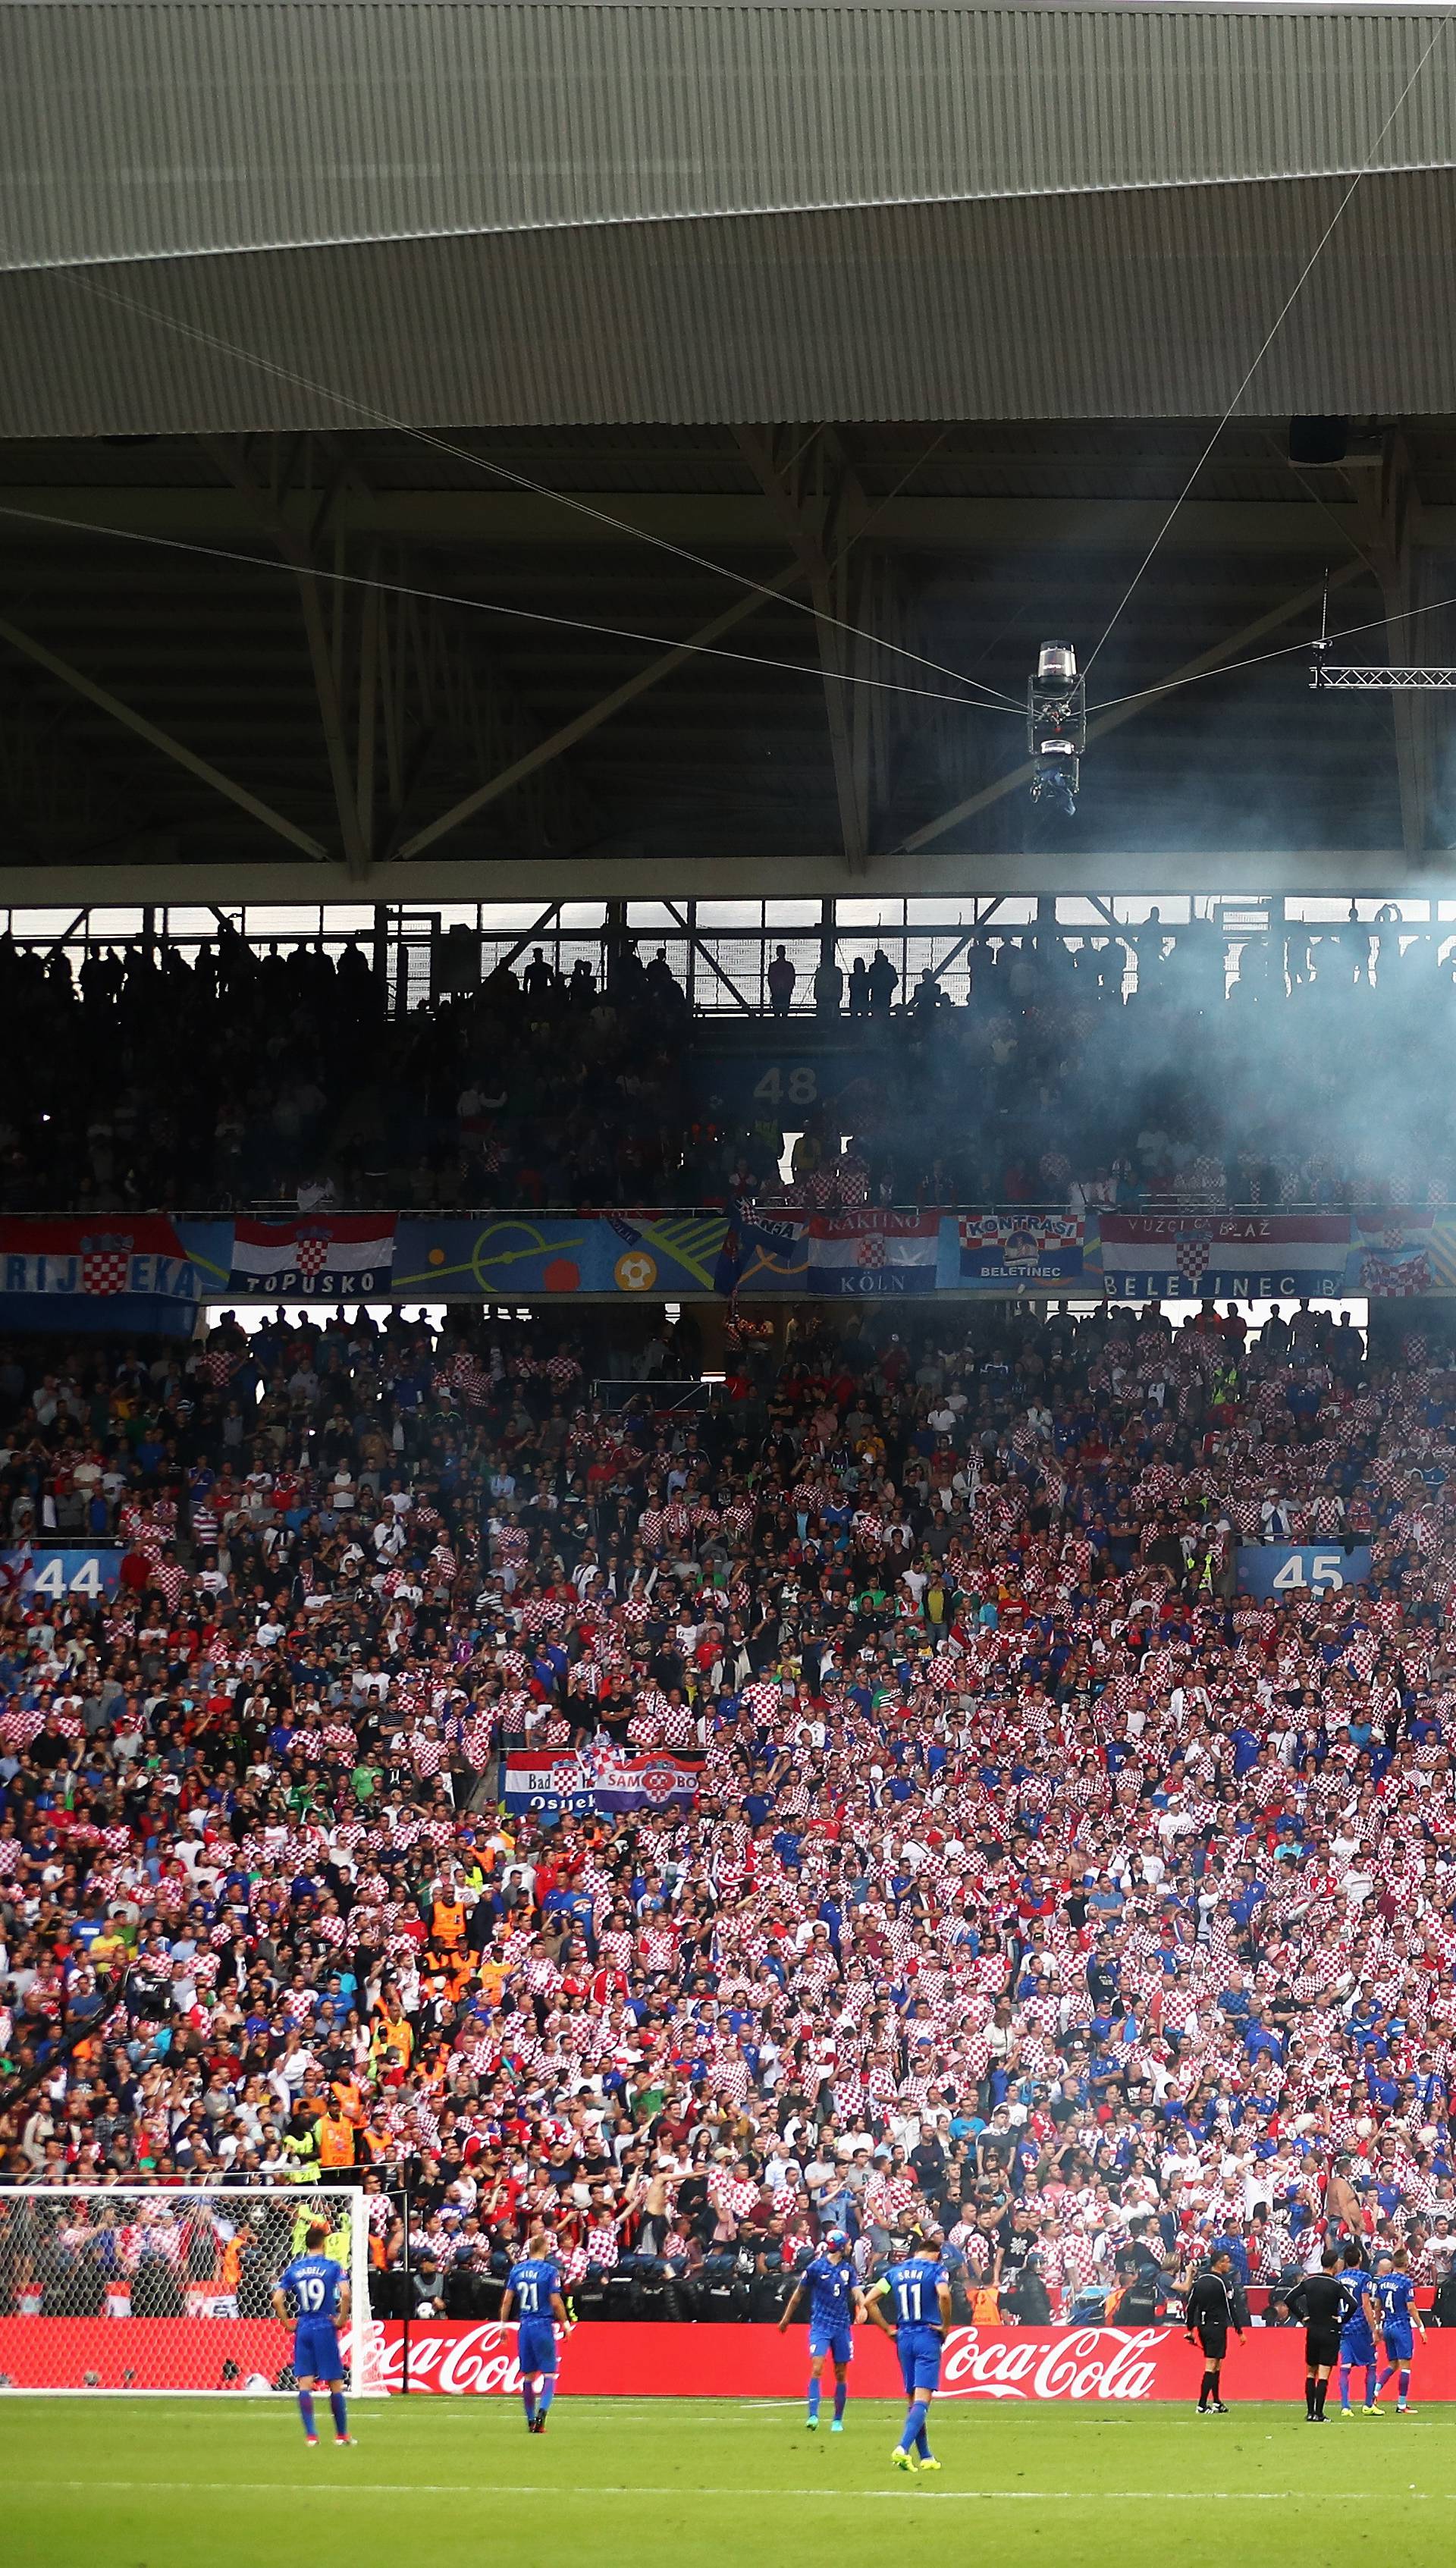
x=457, y=2359
x=734, y=2362
x=980, y=2362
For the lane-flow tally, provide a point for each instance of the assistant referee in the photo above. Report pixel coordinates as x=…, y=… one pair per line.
x=1215, y=2304
x=1319, y=2302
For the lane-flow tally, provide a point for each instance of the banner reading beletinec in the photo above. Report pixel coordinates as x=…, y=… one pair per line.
x=1224, y=1256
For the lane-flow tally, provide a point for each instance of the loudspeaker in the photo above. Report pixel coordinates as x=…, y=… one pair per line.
x=1319, y=441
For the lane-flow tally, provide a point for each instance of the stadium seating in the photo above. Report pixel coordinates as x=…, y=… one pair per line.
x=1319, y=1077
x=1026, y=1877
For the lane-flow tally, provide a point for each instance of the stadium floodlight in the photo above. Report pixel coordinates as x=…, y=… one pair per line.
x=1057, y=726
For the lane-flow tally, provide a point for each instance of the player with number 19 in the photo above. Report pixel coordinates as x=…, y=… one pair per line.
x=319, y=2291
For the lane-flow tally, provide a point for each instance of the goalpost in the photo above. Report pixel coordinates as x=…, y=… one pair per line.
x=152, y=2289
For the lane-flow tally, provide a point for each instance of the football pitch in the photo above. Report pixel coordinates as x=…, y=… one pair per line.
x=207, y=2484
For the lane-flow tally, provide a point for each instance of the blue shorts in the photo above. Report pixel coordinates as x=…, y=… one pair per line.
x=835, y=2341
x=1399, y=2343
x=535, y=2343
x=1357, y=2345
x=919, y=2349
x=316, y=2354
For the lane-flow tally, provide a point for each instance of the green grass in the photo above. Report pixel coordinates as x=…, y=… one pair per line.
x=438, y=2483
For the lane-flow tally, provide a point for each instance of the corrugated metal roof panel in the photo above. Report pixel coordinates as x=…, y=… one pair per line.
x=1117, y=306
x=146, y=128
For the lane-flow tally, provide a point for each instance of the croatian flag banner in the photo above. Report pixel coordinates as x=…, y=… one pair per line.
x=868, y=1252
x=316, y=1255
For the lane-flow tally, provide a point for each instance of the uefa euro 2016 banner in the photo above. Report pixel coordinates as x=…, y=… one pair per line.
x=152, y=1272
x=605, y=1776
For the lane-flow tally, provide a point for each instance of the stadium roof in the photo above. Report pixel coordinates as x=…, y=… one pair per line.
x=598, y=213
x=333, y=331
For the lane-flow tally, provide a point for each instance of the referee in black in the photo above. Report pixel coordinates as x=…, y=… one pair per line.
x=1319, y=2302
x=1215, y=2304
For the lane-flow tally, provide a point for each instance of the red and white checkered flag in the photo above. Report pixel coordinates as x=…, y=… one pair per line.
x=1192, y=1256
x=106, y=1263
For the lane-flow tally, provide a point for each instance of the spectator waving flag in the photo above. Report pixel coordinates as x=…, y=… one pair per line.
x=323, y=1254
x=1392, y=1254
x=753, y=1242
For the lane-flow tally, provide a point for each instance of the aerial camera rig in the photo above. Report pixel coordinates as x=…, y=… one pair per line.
x=1057, y=726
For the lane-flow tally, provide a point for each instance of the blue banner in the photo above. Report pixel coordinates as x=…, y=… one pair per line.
x=59, y=1573
x=1280, y=1570
x=784, y=1084
x=551, y=1780
x=1009, y=1253
x=548, y=1781
x=517, y=1256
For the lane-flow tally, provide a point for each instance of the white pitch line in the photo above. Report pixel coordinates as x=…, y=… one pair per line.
x=821, y=2497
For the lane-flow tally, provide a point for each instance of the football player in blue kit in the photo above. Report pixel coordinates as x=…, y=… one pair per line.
x=533, y=2295
x=1357, y=2340
x=1393, y=2292
x=835, y=2302
x=318, y=2288
x=918, y=2292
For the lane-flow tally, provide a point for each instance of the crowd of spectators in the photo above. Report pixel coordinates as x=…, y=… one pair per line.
x=1121, y=1070
x=1040, y=1888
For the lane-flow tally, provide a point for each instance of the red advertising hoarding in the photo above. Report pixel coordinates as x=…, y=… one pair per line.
x=599, y=2360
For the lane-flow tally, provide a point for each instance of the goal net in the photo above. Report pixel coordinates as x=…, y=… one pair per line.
x=150, y=2287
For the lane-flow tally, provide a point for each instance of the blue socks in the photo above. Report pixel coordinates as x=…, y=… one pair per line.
x=339, y=2413
x=813, y=2402
x=306, y=2409
x=528, y=2402
x=914, y=2434
x=841, y=2393
x=548, y=2393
